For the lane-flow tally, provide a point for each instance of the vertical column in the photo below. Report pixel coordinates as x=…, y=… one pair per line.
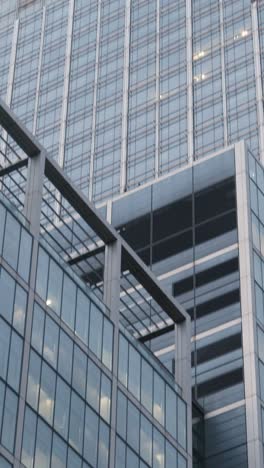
x=249, y=329
x=39, y=70
x=32, y=211
x=189, y=80
x=223, y=71
x=112, y=301
x=258, y=78
x=67, y=70
x=183, y=374
x=96, y=73
x=123, y=164
x=157, y=137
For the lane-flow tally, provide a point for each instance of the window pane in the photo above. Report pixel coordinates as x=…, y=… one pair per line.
x=15, y=358
x=103, y=446
x=132, y=459
x=43, y=445
x=171, y=412
x=96, y=329
x=42, y=274
x=9, y=420
x=91, y=436
x=158, y=449
x=107, y=344
x=11, y=241
x=7, y=293
x=147, y=386
x=59, y=453
x=134, y=372
x=24, y=255
x=47, y=393
x=62, y=408
x=146, y=440
x=33, y=380
x=93, y=385
x=133, y=426
x=120, y=454
x=28, y=448
x=65, y=356
x=79, y=370
x=171, y=456
x=2, y=226
x=74, y=460
x=181, y=422
x=76, y=422
x=50, y=349
x=54, y=287
x=20, y=309
x=82, y=316
x=38, y=328
x=4, y=347
x=105, y=405
x=121, y=414
x=159, y=398
x=123, y=360
x=68, y=302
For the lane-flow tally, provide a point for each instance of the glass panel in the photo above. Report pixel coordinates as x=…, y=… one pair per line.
x=68, y=301
x=120, y=454
x=79, y=370
x=76, y=422
x=74, y=460
x=134, y=372
x=147, y=386
x=96, y=331
x=91, y=436
x=158, y=449
x=28, y=448
x=146, y=440
x=121, y=414
x=42, y=274
x=43, y=445
x=20, y=309
x=181, y=422
x=93, y=385
x=38, y=328
x=15, y=358
x=24, y=255
x=47, y=393
x=54, y=287
x=132, y=459
x=159, y=398
x=11, y=241
x=59, y=453
x=82, y=316
x=62, y=408
x=50, y=349
x=65, y=356
x=9, y=420
x=105, y=404
x=33, y=380
x=103, y=446
x=133, y=426
x=2, y=226
x=4, y=347
x=171, y=412
x=171, y=456
x=107, y=344
x=123, y=360
x=7, y=293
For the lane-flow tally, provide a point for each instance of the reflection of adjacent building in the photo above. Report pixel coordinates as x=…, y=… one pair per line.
x=190, y=229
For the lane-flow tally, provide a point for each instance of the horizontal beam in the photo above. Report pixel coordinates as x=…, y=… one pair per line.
x=13, y=167
x=145, y=277
x=156, y=334
x=86, y=255
x=17, y=130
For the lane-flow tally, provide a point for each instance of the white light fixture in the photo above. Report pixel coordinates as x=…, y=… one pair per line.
x=48, y=302
x=199, y=55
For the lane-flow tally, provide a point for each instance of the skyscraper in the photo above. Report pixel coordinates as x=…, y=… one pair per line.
x=125, y=94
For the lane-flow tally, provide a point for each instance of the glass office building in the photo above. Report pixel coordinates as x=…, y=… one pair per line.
x=77, y=388
x=131, y=97
x=124, y=91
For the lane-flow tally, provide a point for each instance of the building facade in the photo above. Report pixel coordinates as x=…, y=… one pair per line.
x=77, y=388
x=122, y=92
x=126, y=93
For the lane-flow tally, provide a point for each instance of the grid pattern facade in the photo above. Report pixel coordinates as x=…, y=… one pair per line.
x=56, y=371
x=122, y=92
